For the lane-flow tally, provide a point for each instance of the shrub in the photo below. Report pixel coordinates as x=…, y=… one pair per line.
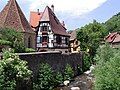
x=45, y=80
x=19, y=47
x=79, y=70
x=27, y=50
x=86, y=61
x=68, y=73
x=58, y=79
x=12, y=70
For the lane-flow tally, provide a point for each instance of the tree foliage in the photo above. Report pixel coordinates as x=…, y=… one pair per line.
x=14, y=38
x=87, y=60
x=4, y=42
x=107, y=71
x=68, y=73
x=90, y=36
x=12, y=71
x=104, y=53
x=113, y=24
x=45, y=78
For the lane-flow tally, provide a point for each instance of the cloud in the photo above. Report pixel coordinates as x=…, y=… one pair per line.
x=66, y=7
x=71, y=7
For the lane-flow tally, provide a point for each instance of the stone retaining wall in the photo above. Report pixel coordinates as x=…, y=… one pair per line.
x=56, y=60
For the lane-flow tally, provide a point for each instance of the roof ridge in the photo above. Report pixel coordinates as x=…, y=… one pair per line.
x=51, y=12
x=18, y=14
x=20, y=18
x=7, y=10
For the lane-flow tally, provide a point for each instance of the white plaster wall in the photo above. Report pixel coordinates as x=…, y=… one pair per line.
x=50, y=40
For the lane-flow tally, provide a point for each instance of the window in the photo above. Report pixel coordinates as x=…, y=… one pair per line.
x=44, y=39
x=76, y=42
x=74, y=49
x=58, y=39
x=66, y=41
x=44, y=28
x=39, y=39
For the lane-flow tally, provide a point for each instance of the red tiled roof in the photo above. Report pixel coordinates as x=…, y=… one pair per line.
x=35, y=18
x=12, y=17
x=117, y=38
x=110, y=37
x=113, y=37
x=48, y=15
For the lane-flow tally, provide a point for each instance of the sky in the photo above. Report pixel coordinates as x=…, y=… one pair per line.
x=75, y=13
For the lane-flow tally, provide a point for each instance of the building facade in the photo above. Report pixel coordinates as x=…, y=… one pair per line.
x=74, y=43
x=51, y=34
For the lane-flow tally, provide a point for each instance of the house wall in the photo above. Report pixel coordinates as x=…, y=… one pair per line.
x=52, y=41
x=48, y=33
x=75, y=47
x=32, y=40
x=63, y=42
x=116, y=45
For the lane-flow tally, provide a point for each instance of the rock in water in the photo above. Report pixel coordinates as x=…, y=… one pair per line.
x=66, y=82
x=75, y=88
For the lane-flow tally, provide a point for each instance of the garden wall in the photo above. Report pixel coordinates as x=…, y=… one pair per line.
x=57, y=60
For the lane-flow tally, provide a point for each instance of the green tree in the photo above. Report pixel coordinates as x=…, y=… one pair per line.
x=107, y=75
x=91, y=36
x=14, y=37
x=12, y=71
x=103, y=54
x=113, y=24
x=107, y=71
x=68, y=73
x=86, y=61
x=45, y=78
x=58, y=78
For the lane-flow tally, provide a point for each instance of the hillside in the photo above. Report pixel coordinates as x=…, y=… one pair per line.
x=113, y=24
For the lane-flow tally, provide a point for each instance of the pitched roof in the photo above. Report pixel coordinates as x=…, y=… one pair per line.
x=117, y=38
x=56, y=26
x=113, y=37
x=73, y=35
x=110, y=37
x=35, y=17
x=12, y=17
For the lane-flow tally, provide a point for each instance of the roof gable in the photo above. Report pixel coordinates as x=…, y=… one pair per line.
x=110, y=38
x=12, y=17
x=35, y=17
x=56, y=26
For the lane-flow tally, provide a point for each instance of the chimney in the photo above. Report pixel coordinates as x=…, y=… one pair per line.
x=52, y=7
x=63, y=23
x=38, y=11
